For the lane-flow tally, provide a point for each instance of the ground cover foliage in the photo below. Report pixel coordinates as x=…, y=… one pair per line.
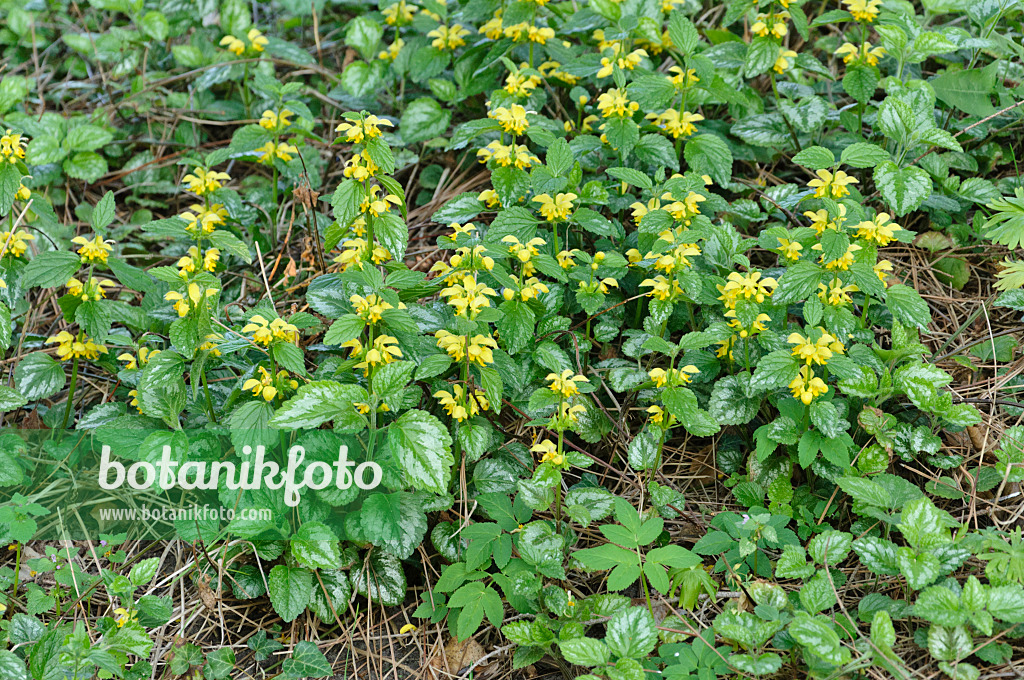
x=684, y=336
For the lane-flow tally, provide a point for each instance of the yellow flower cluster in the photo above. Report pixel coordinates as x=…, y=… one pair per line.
x=94, y=249
x=384, y=350
x=836, y=294
x=15, y=244
x=843, y=262
x=193, y=261
x=269, y=151
x=549, y=452
x=511, y=119
x=675, y=123
x=92, y=290
x=448, y=38
x=462, y=404
x=76, y=347
x=879, y=230
x=863, y=10
x=827, y=183
x=746, y=286
x=770, y=24
x=12, y=146
x=865, y=53
x=673, y=377
x=275, y=122
x=662, y=288
x=265, y=332
x=192, y=299
x=354, y=252
x=360, y=166
x=370, y=309
x=375, y=204
x=201, y=221
x=477, y=348
x=358, y=131
x=145, y=354
x=508, y=154
x=615, y=102
x=564, y=383
x=555, y=209
x=806, y=386
x=468, y=296
x=757, y=327
x=524, y=32
x=203, y=181
x=815, y=351
x=257, y=41
x=626, y=62
x=528, y=289
x=266, y=386
x=391, y=52
x=399, y=13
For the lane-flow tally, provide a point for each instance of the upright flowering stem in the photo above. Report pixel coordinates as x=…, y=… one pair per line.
x=71, y=392
x=775, y=91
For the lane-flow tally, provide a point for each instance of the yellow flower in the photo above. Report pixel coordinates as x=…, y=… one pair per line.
x=673, y=376
x=614, y=102
x=145, y=354
x=555, y=209
x=23, y=193
x=657, y=414
x=194, y=296
x=12, y=146
x=370, y=309
x=817, y=352
x=202, y=221
x=94, y=250
x=770, y=24
x=782, y=63
x=520, y=85
x=392, y=51
x=354, y=250
x=356, y=131
x=448, y=38
x=211, y=342
x=565, y=258
x=549, y=452
x=863, y=10
x=662, y=288
x=883, y=269
x=407, y=628
x=565, y=383
x=821, y=220
x=204, y=181
x=506, y=155
x=850, y=52
x=15, y=244
x=256, y=39
x=460, y=404
x=93, y=290
x=676, y=124
x=757, y=327
x=790, y=249
x=376, y=205
x=262, y=386
x=492, y=28
x=836, y=294
x=683, y=79
x=489, y=197
x=511, y=119
x=265, y=332
x=568, y=414
x=233, y=45
x=283, y=151
x=843, y=262
x=275, y=122
x=877, y=230
x=123, y=616
x=74, y=347
x=806, y=387
x=399, y=13
x=827, y=182
x=383, y=351
x=540, y=34
x=749, y=285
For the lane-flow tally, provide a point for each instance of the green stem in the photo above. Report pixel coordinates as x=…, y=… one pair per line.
x=71, y=392
x=209, y=399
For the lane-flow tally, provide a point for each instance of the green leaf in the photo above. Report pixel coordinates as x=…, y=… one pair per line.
x=307, y=662
x=423, y=119
x=363, y=33
x=815, y=158
x=229, y=243
x=423, y=447
x=585, y=651
x=860, y=82
x=39, y=376
x=967, y=90
x=381, y=579
x=904, y=190
x=863, y=155
x=87, y=138
x=315, y=546
x=290, y=590
x=394, y=521
x=631, y=176
x=88, y=166
x=907, y=306
x=318, y=402
x=631, y=633
x=709, y=154
x=155, y=25
x=798, y=283
x=51, y=269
